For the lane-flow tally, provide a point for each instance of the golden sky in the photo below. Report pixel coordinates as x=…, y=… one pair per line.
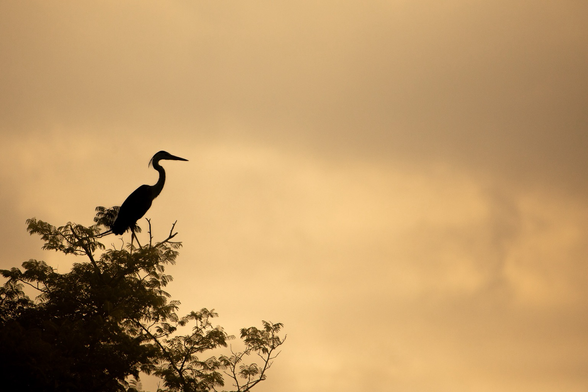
x=401, y=183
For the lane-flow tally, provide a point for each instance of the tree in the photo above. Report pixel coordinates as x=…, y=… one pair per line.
x=98, y=326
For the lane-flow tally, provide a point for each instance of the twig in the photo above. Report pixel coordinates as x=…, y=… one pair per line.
x=150, y=233
x=169, y=237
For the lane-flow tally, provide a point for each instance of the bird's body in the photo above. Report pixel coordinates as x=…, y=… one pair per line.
x=139, y=202
x=133, y=209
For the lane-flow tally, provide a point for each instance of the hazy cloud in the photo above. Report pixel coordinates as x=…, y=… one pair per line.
x=400, y=183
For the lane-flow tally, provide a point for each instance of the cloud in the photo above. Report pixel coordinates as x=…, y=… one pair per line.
x=495, y=87
x=401, y=183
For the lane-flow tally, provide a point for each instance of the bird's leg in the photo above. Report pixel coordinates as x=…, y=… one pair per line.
x=135, y=236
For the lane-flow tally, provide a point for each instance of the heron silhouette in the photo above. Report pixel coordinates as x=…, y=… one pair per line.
x=139, y=202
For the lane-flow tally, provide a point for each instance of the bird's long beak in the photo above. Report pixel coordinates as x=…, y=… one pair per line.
x=175, y=158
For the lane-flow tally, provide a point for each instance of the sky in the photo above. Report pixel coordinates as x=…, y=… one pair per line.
x=401, y=183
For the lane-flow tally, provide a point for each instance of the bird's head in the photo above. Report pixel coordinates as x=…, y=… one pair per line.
x=164, y=155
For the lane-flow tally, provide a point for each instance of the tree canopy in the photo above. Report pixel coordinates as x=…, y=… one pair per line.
x=107, y=320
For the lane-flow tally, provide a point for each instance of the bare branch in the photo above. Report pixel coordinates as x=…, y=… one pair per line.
x=150, y=232
x=169, y=237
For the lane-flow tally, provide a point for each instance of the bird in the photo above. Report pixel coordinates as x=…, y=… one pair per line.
x=139, y=202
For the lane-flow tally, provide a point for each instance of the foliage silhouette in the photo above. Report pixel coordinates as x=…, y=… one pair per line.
x=98, y=326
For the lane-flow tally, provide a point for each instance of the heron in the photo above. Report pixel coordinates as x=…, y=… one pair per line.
x=139, y=202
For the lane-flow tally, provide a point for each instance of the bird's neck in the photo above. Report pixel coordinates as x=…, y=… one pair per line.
x=156, y=189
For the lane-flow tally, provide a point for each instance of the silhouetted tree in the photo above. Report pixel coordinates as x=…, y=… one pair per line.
x=98, y=326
